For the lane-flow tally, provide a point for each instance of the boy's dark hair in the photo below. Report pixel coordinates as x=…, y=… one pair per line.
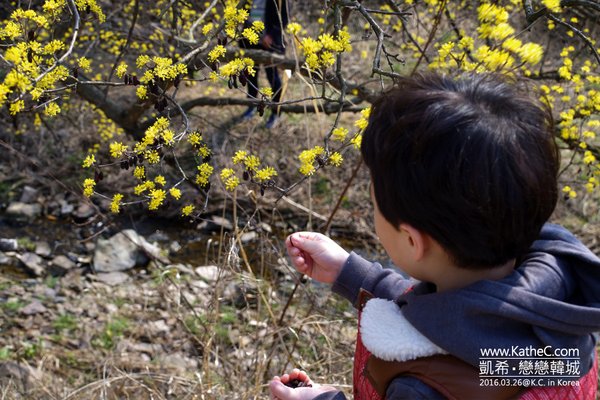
x=470, y=161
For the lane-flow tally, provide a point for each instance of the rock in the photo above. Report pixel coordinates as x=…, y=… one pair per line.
x=43, y=249
x=4, y=259
x=247, y=237
x=29, y=195
x=159, y=326
x=241, y=295
x=60, y=265
x=8, y=244
x=72, y=281
x=182, y=268
x=127, y=346
x=124, y=251
x=215, y=223
x=111, y=308
x=174, y=247
x=15, y=373
x=199, y=284
x=33, y=263
x=66, y=208
x=158, y=236
x=264, y=227
x=178, y=361
x=209, y=273
x=20, y=210
x=83, y=212
x=35, y=307
x=112, y=278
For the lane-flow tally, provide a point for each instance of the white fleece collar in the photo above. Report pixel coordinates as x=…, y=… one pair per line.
x=388, y=335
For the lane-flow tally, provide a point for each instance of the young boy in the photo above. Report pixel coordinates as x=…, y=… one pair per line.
x=464, y=179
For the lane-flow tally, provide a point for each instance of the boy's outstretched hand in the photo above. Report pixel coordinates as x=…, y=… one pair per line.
x=296, y=386
x=316, y=255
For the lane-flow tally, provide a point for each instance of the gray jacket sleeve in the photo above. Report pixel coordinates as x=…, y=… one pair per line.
x=358, y=273
x=404, y=388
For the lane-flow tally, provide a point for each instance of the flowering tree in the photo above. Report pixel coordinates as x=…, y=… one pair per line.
x=127, y=65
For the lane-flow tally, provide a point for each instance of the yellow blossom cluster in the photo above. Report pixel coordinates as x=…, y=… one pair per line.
x=322, y=52
x=217, y=52
x=229, y=179
x=234, y=17
x=115, y=205
x=88, y=187
x=339, y=134
x=252, y=164
x=157, y=197
x=92, y=6
x=89, y=161
x=187, y=210
x=500, y=50
x=236, y=66
x=159, y=68
x=307, y=160
x=196, y=140
x=252, y=34
x=158, y=131
x=205, y=170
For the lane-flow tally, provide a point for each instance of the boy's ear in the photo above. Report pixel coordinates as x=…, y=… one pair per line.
x=416, y=241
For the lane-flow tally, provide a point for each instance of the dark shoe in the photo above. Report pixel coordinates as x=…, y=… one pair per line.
x=249, y=113
x=273, y=118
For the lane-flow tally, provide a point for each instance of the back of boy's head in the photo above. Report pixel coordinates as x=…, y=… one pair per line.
x=470, y=161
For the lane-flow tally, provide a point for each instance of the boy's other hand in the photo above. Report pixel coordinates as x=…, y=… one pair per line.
x=280, y=389
x=316, y=255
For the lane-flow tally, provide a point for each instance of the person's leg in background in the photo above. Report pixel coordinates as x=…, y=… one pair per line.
x=252, y=88
x=275, y=82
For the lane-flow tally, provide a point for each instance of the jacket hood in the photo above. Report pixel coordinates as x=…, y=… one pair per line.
x=551, y=299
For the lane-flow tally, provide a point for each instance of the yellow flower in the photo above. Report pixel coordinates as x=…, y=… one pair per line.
x=117, y=149
x=229, y=179
x=187, y=210
x=207, y=28
x=142, y=61
x=85, y=64
x=265, y=174
x=160, y=180
x=195, y=138
x=11, y=31
x=552, y=5
x=249, y=34
x=239, y=156
x=356, y=141
x=16, y=107
x=205, y=170
x=140, y=172
x=252, y=162
x=588, y=157
x=121, y=70
x=258, y=26
x=175, y=193
x=267, y=91
x=116, y=203
x=336, y=159
x=152, y=157
x=339, y=134
x=88, y=187
x=89, y=161
x=217, y=52
x=531, y=53
x=157, y=197
x=52, y=109
x=294, y=28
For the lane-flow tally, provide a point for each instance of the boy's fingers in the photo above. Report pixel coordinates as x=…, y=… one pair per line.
x=279, y=390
